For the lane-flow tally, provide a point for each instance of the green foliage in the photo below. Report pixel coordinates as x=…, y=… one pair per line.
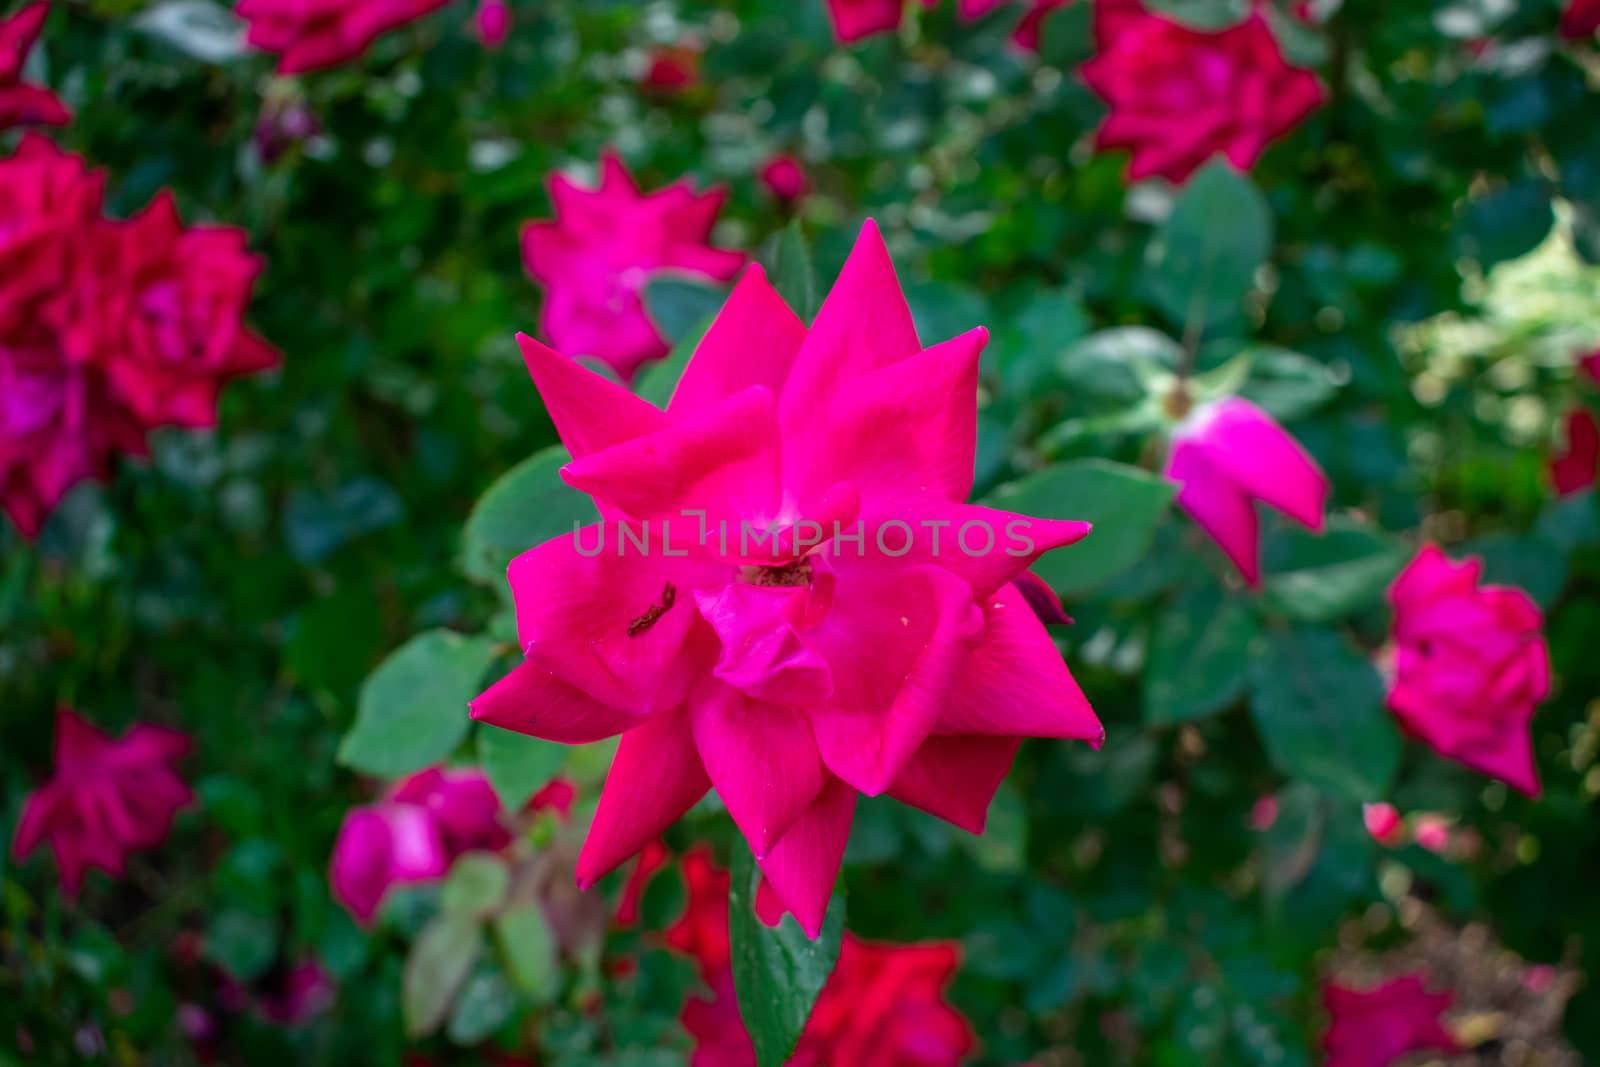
x=413, y=708
x=778, y=972
x=315, y=589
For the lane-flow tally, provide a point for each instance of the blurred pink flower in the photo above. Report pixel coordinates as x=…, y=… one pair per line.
x=1382, y=822
x=788, y=678
x=161, y=309
x=672, y=69
x=305, y=992
x=412, y=836
x=604, y=245
x=1264, y=813
x=313, y=34
x=1178, y=96
x=106, y=798
x=785, y=178
x=883, y=1006
x=1433, y=832
x=1572, y=469
x=22, y=104
x=282, y=124
x=1581, y=19
x=492, y=22
x=1377, y=1027
x=1227, y=455
x=1470, y=667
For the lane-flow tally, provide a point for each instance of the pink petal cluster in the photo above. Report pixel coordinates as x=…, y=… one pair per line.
x=1581, y=19
x=603, y=246
x=884, y=1005
x=672, y=69
x=314, y=34
x=108, y=328
x=1471, y=666
x=22, y=104
x=1573, y=468
x=105, y=799
x=852, y=651
x=417, y=830
x=1178, y=97
x=785, y=178
x=492, y=23
x=1379, y=1026
x=1227, y=455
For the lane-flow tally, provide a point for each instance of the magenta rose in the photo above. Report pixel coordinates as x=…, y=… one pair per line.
x=21, y=103
x=313, y=34
x=1470, y=666
x=164, y=315
x=1178, y=97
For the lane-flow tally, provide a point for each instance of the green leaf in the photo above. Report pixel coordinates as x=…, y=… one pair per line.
x=485, y=1003
x=792, y=273
x=1203, y=14
x=1066, y=38
x=680, y=308
x=1124, y=503
x=242, y=943
x=658, y=380
x=1505, y=224
x=529, y=951
x=527, y=506
x=477, y=884
x=1287, y=385
x=778, y=972
x=518, y=766
x=1535, y=564
x=435, y=970
x=1323, y=577
x=1319, y=706
x=1200, y=655
x=1120, y=364
x=413, y=708
x=1203, y=260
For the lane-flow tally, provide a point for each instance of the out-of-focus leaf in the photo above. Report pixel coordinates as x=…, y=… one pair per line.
x=778, y=972
x=486, y=1002
x=206, y=31
x=1204, y=258
x=1287, y=385
x=242, y=943
x=792, y=273
x=1125, y=504
x=1119, y=364
x=1323, y=577
x=1200, y=656
x=413, y=708
x=435, y=970
x=1319, y=706
x=681, y=308
x=530, y=952
x=518, y=766
x=1505, y=224
x=1203, y=14
x=477, y=884
x=527, y=506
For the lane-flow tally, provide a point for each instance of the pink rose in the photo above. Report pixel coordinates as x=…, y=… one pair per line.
x=1383, y=823
x=1581, y=19
x=1572, y=469
x=785, y=178
x=1178, y=96
x=672, y=69
x=164, y=315
x=20, y=103
x=789, y=678
x=313, y=34
x=595, y=257
x=106, y=798
x=1379, y=1026
x=1230, y=454
x=1470, y=666
x=493, y=22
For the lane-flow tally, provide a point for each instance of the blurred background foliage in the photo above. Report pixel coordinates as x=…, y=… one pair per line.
x=1412, y=297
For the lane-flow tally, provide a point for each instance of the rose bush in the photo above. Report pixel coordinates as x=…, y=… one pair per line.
x=1287, y=312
